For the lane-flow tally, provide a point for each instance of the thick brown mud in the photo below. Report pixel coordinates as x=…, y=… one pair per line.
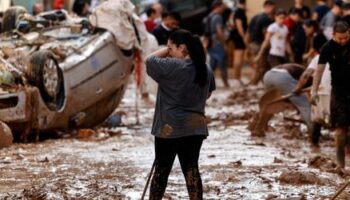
x=113, y=163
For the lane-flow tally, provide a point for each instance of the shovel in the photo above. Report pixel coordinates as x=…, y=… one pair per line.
x=287, y=96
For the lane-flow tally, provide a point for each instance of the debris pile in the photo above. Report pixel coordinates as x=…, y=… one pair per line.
x=326, y=164
x=301, y=178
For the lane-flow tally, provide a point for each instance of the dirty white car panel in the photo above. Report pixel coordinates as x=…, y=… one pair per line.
x=95, y=74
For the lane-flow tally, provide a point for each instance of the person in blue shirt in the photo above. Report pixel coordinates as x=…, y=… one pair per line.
x=320, y=10
x=215, y=29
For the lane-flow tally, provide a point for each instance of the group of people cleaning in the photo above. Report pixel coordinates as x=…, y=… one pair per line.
x=280, y=45
x=282, y=66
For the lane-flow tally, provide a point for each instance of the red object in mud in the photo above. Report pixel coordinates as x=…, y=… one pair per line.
x=253, y=65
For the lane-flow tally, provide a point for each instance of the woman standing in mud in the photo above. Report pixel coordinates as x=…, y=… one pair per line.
x=184, y=84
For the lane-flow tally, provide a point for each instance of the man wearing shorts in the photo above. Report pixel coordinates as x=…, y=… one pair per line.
x=237, y=36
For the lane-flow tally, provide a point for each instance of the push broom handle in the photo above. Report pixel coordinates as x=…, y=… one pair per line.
x=340, y=190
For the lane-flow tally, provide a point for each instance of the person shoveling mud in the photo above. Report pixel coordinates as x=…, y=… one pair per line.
x=185, y=83
x=272, y=101
x=281, y=80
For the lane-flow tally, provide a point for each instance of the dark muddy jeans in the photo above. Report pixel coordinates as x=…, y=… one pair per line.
x=217, y=58
x=187, y=149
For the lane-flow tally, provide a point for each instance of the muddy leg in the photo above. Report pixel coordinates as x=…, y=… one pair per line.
x=165, y=156
x=188, y=152
x=224, y=76
x=340, y=141
x=315, y=133
x=238, y=56
x=261, y=68
x=159, y=182
x=194, y=183
x=253, y=122
x=261, y=124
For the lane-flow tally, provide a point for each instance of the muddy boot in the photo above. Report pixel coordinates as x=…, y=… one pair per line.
x=159, y=182
x=315, y=134
x=194, y=183
x=252, y=123
x=340, y=143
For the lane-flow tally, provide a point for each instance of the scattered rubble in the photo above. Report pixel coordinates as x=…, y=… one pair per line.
x=300, y=178
x=244, y=96
x=326, y=164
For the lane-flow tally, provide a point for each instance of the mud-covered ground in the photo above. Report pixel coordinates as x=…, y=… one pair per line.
x=113, y=163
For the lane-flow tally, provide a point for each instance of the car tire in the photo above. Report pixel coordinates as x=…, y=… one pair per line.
x=6, y=137
x=11, y=17
x=45, y=73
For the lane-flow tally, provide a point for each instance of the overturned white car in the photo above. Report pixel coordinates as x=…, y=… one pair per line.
x=66, y=75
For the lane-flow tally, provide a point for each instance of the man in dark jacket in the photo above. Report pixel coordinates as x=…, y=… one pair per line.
x=82, y=7
x=170, y=22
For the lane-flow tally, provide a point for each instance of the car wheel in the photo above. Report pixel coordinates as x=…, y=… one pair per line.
x=6, y=137
x=45, y=73
x=10, y=18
